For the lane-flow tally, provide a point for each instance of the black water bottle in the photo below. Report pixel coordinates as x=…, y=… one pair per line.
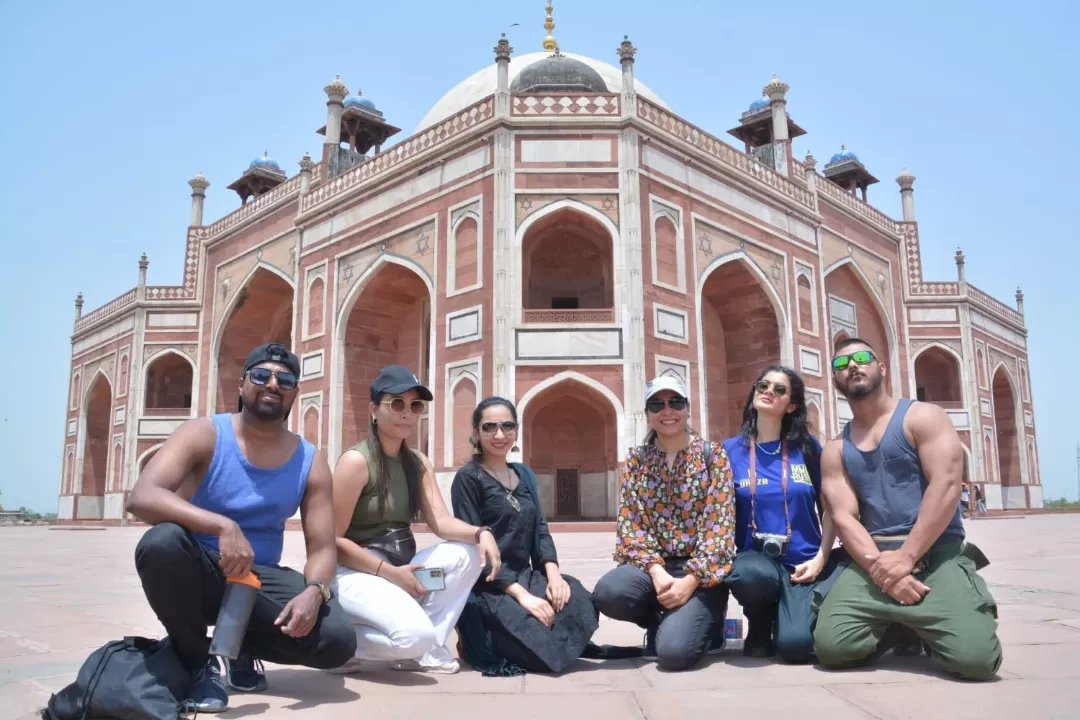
x=233, y=617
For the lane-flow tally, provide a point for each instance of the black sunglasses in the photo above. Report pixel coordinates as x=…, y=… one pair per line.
x=261, y=376
x=675, y=402
x=762, y=386
x=490, y=428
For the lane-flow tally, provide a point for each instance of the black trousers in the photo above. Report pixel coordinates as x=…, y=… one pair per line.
x=763, y=587
x=684, y=634
x=184, y=585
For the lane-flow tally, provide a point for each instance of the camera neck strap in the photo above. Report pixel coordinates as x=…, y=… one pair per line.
x=783, y=485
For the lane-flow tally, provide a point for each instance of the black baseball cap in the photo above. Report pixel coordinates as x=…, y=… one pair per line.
x=398, y=379
x=273, y=352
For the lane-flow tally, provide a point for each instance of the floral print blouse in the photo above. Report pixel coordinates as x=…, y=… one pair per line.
x=686, y=512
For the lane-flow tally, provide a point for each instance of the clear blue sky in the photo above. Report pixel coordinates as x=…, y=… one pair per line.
x=109, y=108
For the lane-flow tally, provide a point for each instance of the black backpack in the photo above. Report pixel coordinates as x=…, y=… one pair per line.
x=131, y=679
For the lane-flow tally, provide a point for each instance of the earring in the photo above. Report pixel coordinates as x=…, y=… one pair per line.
x=515, y=448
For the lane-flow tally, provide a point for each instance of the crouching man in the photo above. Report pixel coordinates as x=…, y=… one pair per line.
x=891, y=484
x=218, y=494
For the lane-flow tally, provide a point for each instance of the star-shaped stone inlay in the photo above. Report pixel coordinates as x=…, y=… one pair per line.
x=422, y=243
x=607, y=204
x=347, y=272
x=526, y=204
x=777, y=271
x=705, y=243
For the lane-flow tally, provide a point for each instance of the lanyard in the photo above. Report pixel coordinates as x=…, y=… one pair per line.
x=753, y=485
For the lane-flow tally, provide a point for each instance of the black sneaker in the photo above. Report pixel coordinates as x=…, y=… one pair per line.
x=245, y=674
x=207, y=693
x=718, y=641
x=650, y=644
x=759, y=640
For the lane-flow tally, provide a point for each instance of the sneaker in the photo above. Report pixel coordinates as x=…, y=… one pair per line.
x=245, y=674
x=649, y=653
x=207, y=693
x=759, y=637
x=448, y=667
x=717, y=642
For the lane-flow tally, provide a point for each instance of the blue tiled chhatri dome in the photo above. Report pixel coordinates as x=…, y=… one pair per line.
x=843, y=155
x=363, y=102
x=265, y=162
x=759, y=103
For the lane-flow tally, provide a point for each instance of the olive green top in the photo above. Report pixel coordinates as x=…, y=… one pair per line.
x=366, y=522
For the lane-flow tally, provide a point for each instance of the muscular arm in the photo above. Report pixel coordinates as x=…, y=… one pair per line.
x=942, y=460
x=842, y=505
x=350, y=477
x=317, y=519
x=161, y=493
x=828, y=535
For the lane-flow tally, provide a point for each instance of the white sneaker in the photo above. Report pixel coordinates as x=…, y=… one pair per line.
x=441, y=668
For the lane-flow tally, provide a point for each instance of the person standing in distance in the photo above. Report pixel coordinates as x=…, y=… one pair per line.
x=218, y=494
x=891, y=483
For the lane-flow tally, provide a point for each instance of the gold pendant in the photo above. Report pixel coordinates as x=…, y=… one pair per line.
x=513, y=502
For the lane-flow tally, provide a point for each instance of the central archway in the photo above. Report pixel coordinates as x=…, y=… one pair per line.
x=937, y=378
x=386, y=321
x=96, y=448
x=261, y=312
x=855, y=310
x=570, y=440
x=1008, y=446
x=741, y=333
x=169, y=383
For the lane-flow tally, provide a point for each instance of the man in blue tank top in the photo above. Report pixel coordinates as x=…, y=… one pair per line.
x=892, y=484
x=218, y=494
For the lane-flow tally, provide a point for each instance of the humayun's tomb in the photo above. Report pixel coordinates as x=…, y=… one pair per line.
x=554, y=233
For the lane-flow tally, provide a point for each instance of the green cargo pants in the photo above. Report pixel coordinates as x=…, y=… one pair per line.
x=957, y=619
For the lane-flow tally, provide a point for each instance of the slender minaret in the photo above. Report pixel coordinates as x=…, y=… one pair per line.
x=810, y=163
x=335, y=104
x=629, y=91
x=78, y=306
x=306, y=166
x=776, y=91
x=144, y=263
x=198, y=197
x=906, y=181
x=502, y=76
x=959, y=264
x=1019, y=302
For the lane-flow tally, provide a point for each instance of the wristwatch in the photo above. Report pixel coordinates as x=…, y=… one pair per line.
x=324, y=589
x=480, y=531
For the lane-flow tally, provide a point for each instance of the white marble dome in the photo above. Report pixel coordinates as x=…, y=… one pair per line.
x=479, y=85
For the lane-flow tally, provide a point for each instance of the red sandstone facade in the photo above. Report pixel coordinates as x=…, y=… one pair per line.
x=559, y=248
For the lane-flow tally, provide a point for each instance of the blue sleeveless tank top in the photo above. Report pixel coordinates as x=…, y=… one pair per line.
x=260, y=500
x=889, y=481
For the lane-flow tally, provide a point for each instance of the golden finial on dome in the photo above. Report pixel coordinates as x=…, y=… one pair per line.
x=549, y=24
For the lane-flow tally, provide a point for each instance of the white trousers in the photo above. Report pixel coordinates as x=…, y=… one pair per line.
x=392, y=625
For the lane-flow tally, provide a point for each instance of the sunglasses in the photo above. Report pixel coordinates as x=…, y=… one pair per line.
x=261, y=376
x=398, y=405
x=655, y=405
x=507, y=426
x=762, y=386
x=859, y=357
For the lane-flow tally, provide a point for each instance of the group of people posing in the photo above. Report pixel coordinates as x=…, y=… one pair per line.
x=755, y=516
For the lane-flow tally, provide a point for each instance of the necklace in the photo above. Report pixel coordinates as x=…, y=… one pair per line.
x=510, y=499
x=774, y=452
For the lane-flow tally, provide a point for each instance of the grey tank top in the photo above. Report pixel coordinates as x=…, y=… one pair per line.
x=889, y=481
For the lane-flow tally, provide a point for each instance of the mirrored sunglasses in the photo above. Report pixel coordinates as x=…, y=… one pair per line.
x=859, y=357
x=490, y=428
x=261, y=376
x=655, y=405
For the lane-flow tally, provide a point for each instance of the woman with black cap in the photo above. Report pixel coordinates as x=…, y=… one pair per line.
x=403, y=604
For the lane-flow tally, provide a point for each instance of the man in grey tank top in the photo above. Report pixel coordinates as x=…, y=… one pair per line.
x=891, y=483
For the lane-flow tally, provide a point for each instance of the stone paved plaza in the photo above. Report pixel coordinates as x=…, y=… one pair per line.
x=64, y=592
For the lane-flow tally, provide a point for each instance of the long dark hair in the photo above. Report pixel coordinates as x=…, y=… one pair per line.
x=795, y=425
x=410, y=462
x=478, y=415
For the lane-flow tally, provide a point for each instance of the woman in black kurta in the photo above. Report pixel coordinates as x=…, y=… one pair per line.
x=530, y=617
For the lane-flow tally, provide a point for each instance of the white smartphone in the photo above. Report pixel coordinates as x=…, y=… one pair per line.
x=431, y=578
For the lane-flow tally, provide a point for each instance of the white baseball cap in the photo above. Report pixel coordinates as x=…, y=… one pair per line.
x=673, y=383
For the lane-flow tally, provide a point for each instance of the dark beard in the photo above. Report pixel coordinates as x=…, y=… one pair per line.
x=267, y=412
x=861, y=391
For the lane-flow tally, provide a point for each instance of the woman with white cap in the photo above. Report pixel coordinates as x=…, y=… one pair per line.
x=675, y=536
x=403, y=604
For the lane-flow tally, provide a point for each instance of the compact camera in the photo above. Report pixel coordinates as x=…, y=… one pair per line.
x=774, y=546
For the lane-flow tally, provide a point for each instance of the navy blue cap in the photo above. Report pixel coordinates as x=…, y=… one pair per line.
x=396, y=380
x=273, y=352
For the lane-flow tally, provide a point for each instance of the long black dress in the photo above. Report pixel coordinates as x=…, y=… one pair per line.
x=498, y=636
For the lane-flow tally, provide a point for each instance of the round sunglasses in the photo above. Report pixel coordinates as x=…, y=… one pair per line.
x=762, y=387
x=397, y=405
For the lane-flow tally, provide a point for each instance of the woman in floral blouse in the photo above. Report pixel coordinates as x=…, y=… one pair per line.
x=675, y=536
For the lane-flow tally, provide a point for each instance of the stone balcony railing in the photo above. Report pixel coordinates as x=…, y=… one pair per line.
x=736, y=160
x=579, y=316
x=114, y=305
x=566, y=104
x=986, y=302
x=860, y=207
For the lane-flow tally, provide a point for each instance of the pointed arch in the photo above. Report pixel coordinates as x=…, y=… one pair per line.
x=1008, y=424
x=566, y=204
x=157, y=396
x=340, y=330
x=216, y=390
x=95, y=448
x=946, y=391
x=459, y=413
x=616, y=404
x=879, y=307
x=714, y=339
x=145, y=456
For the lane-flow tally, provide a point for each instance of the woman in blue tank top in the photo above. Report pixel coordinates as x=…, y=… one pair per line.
x=783, y=537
